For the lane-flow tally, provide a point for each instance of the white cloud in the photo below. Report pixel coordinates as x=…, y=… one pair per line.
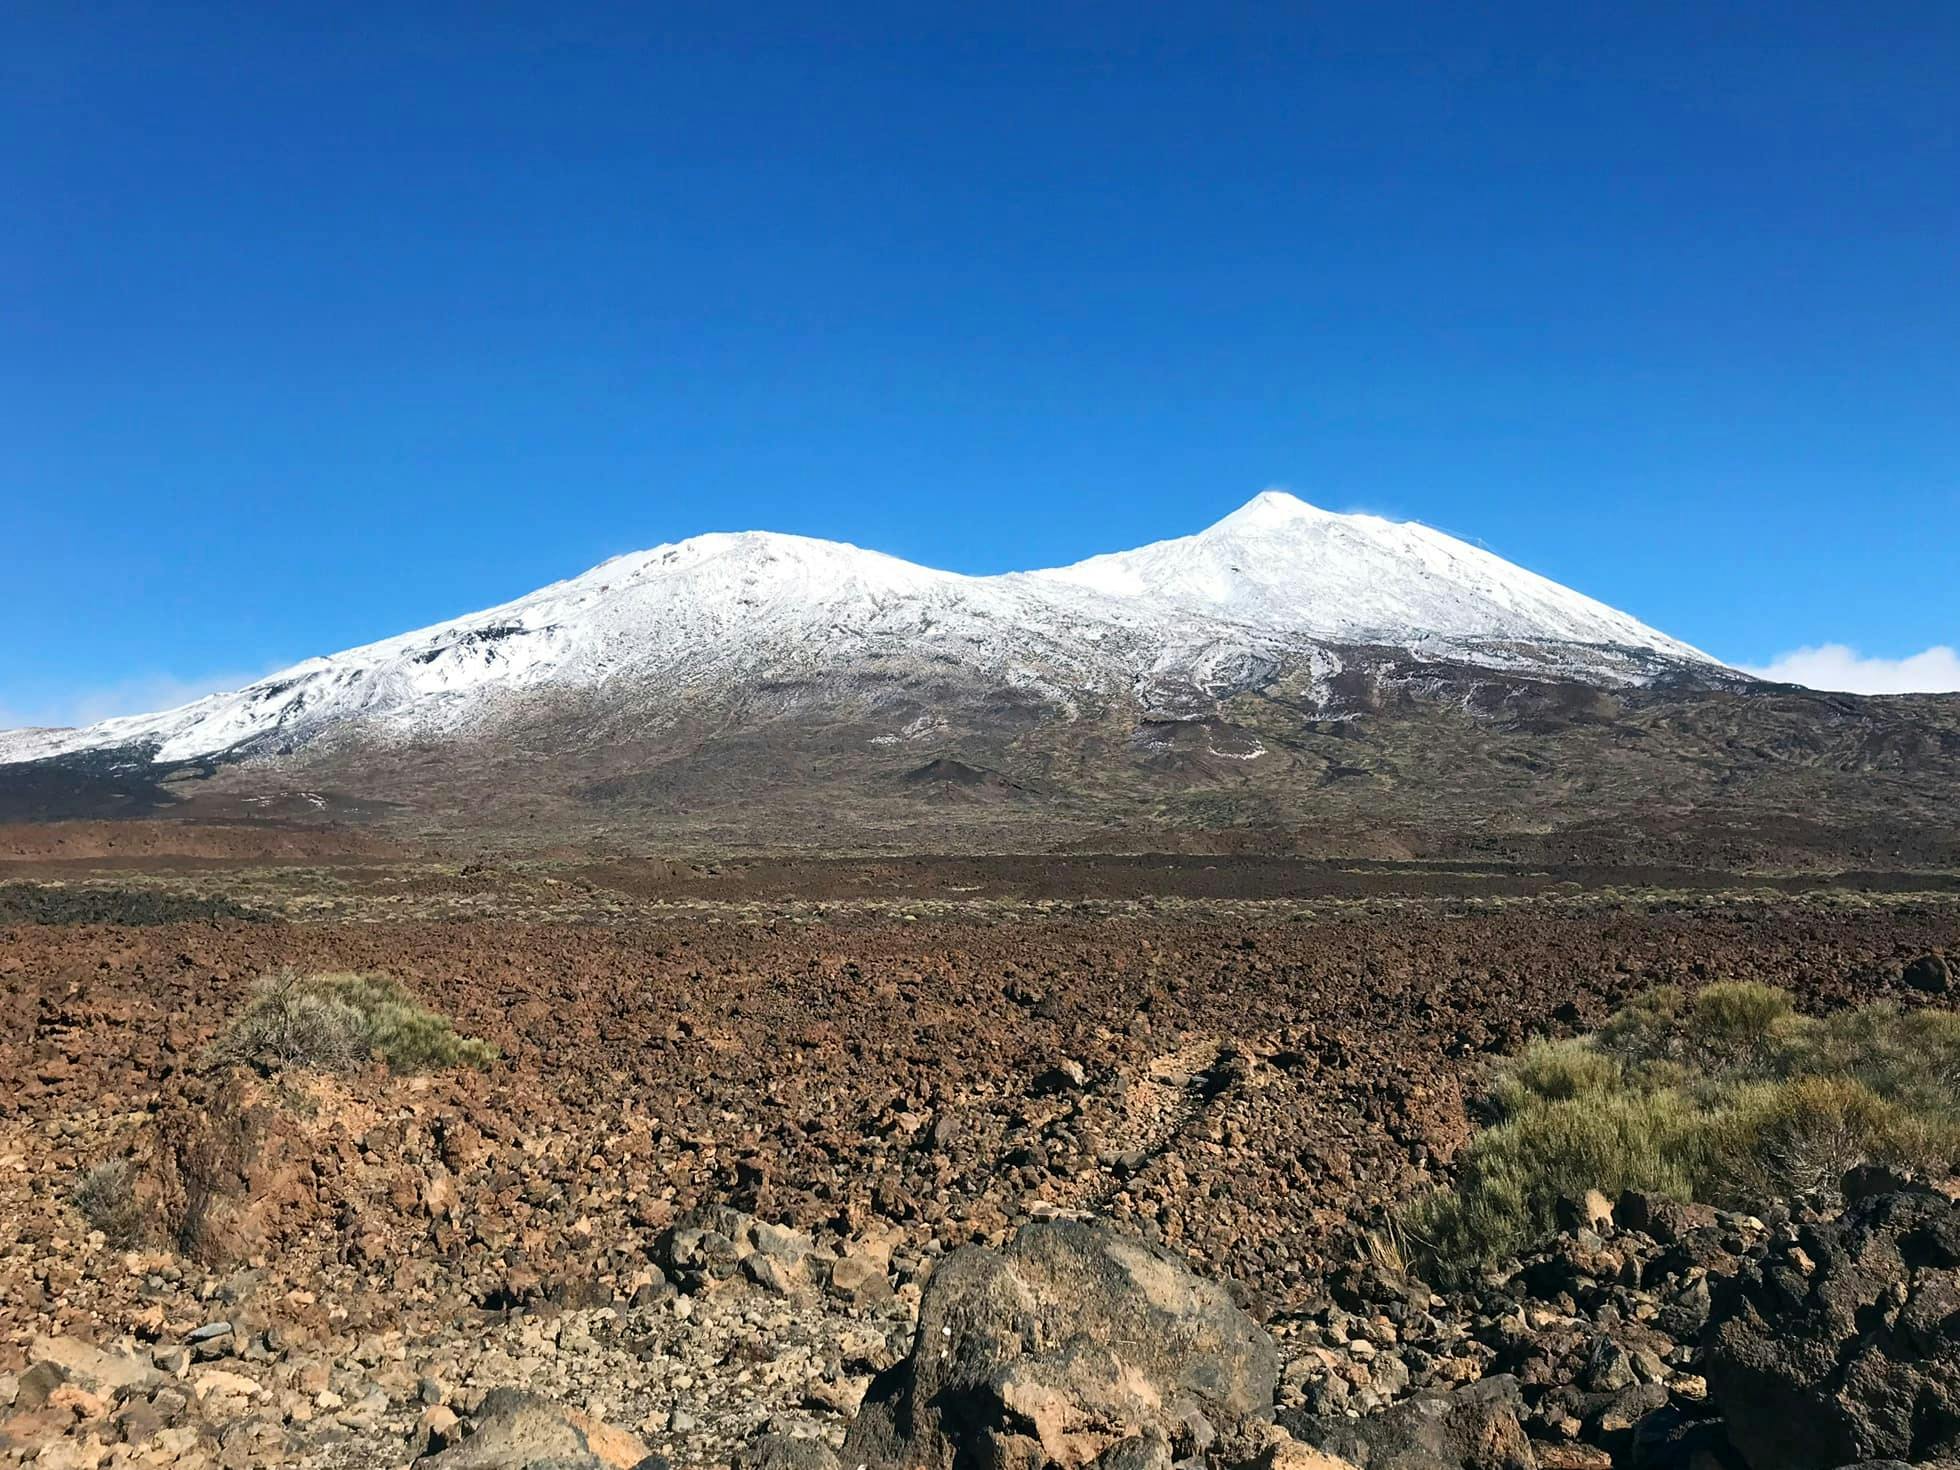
x=138, y=695
x=1835, y=666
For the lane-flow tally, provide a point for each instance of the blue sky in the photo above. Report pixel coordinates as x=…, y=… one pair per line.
x=327, y=322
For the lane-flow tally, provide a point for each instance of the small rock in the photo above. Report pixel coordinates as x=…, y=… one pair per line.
x=785, y=1452
x=1069, y=1324
x=436, y=1430
x=92, y=1367
x=1591, y=1211
x=33, y=1387
x=1067, y=1075
x=1474, y=1428
x=1287, y=1453
x=859, y=1280
x=773, y=1274
x=219, y=1384
x=1931, y=973
x=517, y=1430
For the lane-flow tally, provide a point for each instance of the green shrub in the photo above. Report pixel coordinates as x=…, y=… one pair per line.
x=1908, y=1057
x=1647, y=1029
x=1918, y=1061
x=1728, y=1096
x=1724, y=1026
x=1777, y=1140
x=1737, y=1016
x=336, y=1022
x=1511, y=1177
x=1552, y=1072
x=401, y=1031
x=296, y=1021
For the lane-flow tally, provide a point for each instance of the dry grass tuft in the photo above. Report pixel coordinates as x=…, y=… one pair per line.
x=106, y=1197
x=337, y=1022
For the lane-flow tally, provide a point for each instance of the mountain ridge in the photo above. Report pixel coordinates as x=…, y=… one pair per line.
x=1286, y=680
x=1278, y=581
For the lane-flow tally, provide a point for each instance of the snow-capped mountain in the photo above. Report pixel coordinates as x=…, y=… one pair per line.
x=760, y=616
x=1277, y=562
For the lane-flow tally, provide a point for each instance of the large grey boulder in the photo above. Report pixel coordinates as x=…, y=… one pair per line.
x=514, y=1430
x=1073, y=1345
x=1476, y=1427
x=1844, y=1345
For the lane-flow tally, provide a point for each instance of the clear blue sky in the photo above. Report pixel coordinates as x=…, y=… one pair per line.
x=322, y=322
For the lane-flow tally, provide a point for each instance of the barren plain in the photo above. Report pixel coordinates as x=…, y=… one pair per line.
x=1245, y=1061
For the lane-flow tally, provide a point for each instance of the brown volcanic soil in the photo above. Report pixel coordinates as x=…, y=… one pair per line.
x=1183, y=876
x=1245, y=1077
x=1251, y=1086
x=159, y=843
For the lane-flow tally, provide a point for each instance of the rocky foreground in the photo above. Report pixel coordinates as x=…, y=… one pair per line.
x=1700, y=1341
x=710, y=1204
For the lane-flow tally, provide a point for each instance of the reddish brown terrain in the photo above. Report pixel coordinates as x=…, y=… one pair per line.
x=1242, y=1059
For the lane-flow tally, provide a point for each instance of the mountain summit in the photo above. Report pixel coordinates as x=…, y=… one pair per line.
x=1279, y=562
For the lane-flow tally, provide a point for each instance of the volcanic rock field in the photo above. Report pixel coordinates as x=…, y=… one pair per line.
x=731, y=1139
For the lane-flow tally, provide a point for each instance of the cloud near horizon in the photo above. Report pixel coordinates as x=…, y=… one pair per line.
x=140, y=695
x=1842, y=669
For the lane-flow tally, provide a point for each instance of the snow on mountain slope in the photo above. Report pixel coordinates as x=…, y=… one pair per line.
x=721, y=614
x=702, y=616
x=1278, y=562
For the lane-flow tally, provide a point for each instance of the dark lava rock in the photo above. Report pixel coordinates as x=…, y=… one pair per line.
x=1665, y=1219
x=1930, y=972
x=783, y=1452
x=1475, y=1428
x=31, y=903
x=1669, y=1439
x=1865, y=1180
x=1074, y=1342
x=1844, y=1344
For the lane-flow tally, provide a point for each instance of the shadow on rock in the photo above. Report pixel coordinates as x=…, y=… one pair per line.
x=1843, y=1344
